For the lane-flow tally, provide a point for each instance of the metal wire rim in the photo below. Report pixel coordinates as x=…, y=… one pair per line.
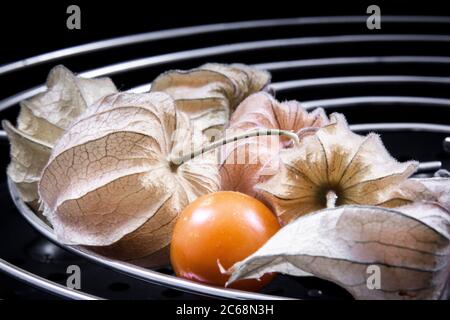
x=203, y=29
x=228, y=48
x=132, y=270
x=42, y=283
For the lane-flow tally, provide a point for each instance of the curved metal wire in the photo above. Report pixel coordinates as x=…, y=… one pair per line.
x=295, y=84
x=185, y=285
x=129, y=269
x=203, y=29
x=327, y=62
x=258, y=45
x=43, y=284
x=401, y=126
x=379, y=100
x=226, y=49
x=270, y=66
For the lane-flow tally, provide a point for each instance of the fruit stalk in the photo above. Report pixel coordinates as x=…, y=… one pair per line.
x=176, y=161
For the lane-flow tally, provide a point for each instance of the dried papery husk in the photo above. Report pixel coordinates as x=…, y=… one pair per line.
x=249, y=162
x=28, y=158
x=333, y=167
x=109, y=182
x=407, y=248
x=436, y=190
x=41, y=122
x=210, y=93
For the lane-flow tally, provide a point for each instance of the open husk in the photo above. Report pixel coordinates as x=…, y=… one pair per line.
x=372, y=252
x=335, y=167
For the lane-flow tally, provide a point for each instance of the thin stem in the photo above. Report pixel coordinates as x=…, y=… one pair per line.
x=331, y=199
x=262, y=132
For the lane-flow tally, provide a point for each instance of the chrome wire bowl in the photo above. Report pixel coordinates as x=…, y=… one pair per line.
x=394, y=81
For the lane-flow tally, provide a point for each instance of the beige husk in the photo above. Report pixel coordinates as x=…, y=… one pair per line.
x=41, y=122
x=210, y=93
x=248, y=162
x=101, y=163
x=336, y=163
x=206, y=95
x=372, y=252
x=109, y=182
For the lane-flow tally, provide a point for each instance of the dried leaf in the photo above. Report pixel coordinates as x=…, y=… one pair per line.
x=109, y=182
x=335, y=167
x=210, y=93
x=42, y=121
x=409, y=248
x=248, y=162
